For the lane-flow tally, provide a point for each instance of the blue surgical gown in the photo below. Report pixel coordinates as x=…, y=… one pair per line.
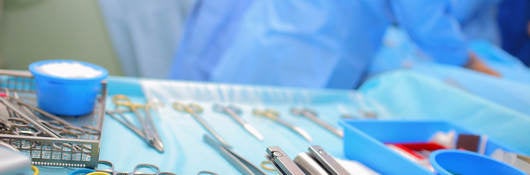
x=314, y=43
x=513, y=18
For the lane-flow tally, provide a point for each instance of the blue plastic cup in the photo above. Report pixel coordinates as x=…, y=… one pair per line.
x=63, y=95
x=456, y=162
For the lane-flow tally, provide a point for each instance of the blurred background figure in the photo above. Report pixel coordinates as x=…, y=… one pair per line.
x=210, y=29
x=335, y=45
x=514, y=23
x=145, y=33
x=320, y=43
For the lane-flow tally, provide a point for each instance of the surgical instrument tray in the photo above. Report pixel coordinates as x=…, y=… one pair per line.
x=66, y=141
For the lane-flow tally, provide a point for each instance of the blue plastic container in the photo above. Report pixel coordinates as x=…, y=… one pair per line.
x=364, y=141
x=450, y=162
x=66, y=96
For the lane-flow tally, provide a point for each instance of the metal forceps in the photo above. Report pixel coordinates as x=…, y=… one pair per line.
x=273, y=115
x=235, y=113
x=35, y=123
x=57, y=125
x=243, y=165
x=312, y=115
x=22, y=127
x=148, y=131
x=194, y=110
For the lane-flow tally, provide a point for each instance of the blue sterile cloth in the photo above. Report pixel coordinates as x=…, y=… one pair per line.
x=410, y=95
x=510, y=94
x=398, y=51
x=511, y=68
x=401, y=95
x=186, y=153
x=512, y=90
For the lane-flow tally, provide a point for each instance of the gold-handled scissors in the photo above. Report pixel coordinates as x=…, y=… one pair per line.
x=194, y=110
x=312, y=115
x=148, y=131
x=275, y=116
x=235, y=114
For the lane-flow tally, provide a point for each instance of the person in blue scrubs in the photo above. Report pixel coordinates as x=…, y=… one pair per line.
x=514, y=22
x=316, y=43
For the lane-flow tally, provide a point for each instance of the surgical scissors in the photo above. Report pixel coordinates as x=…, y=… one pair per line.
x=275, y=116
x=243, y=165
x=205, y=172
x=312, y=115
x=235, y=113
x=194, y=110
x=148, y=131
x=151, y=169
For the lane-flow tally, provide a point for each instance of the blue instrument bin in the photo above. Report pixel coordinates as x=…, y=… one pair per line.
x=364, y=141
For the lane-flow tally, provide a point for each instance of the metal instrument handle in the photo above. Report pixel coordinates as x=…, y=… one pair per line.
x=327, y=162
x=282, y=162
x=309, y=165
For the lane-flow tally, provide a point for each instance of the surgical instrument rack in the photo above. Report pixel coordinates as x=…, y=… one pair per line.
x=79, y=150
x=24, y=116
x=235, y=113
x=275, y=116
x=312, y=115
